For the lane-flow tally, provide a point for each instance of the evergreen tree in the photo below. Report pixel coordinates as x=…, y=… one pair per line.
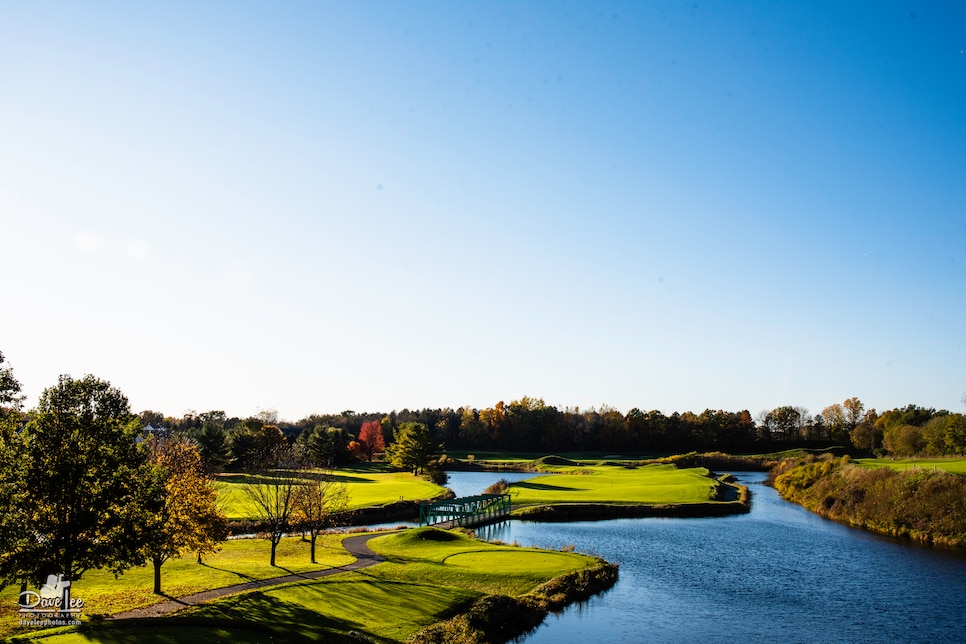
x=413, y=449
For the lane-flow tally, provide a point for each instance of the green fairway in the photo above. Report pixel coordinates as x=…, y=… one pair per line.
x=366, y=486
x=429, y=575
x=650, y=484
x=954, y=465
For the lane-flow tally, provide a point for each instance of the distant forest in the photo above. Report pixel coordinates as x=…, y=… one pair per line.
x=530, y=425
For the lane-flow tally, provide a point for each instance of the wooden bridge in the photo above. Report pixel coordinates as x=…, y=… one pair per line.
x=465, y=512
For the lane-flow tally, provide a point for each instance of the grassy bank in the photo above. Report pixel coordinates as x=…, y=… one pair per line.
x=430, y=575
x=922, y=504
x=499, y=618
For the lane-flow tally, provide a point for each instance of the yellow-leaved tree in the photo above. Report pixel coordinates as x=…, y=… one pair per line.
x=181, y=515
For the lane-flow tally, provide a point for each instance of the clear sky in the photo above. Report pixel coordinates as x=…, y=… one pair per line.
x=320, y=206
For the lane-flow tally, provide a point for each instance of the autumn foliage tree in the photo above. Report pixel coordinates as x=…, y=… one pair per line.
x=371, y=440
x=181, y=515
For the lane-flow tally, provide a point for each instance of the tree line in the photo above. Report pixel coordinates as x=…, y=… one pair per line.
x=530, y=425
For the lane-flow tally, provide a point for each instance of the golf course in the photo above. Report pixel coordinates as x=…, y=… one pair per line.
x=420, y=577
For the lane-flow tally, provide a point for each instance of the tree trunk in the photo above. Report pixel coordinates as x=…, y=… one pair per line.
x=313, y=546
x=157, y=575
x=275, y=541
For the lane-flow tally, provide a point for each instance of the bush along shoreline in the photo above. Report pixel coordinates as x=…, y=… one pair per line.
x=924, y=505
x=495, y=619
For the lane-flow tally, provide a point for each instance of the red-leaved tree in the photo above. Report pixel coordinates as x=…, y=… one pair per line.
x=371, y=440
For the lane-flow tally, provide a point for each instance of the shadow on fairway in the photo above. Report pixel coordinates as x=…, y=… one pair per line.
x=543, y=486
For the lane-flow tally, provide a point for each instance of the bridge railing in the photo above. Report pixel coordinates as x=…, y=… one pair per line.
x=466, y=511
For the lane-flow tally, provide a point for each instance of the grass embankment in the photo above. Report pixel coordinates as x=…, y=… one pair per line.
x=366, y=486
x=238, y=561
x=922, y=504
x=430, y=575
x=603, y=491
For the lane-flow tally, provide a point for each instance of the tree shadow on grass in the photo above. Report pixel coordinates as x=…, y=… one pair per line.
x=269, y=620
x=233, y=572
x=285, y=621
x=543, y=486
x=344, y=595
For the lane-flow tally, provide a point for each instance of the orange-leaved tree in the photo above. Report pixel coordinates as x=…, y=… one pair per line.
x=371, y=440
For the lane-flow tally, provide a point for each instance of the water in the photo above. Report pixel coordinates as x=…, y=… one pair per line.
x=473, y=483
x=777, y=574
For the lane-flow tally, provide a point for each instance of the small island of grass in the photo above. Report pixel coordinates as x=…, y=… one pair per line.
x=570, y=492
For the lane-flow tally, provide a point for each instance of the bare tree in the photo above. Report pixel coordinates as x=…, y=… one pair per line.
x=273, y=493
x=317, y=501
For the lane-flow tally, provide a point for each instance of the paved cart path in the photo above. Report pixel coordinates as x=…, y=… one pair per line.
x=356, y=546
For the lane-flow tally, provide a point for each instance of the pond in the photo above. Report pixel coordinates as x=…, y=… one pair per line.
x=777, y=574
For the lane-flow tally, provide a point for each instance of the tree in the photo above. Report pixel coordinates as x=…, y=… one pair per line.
x=210, y=438
x=785, y=422
x=82, y=476
x=866, y=434
x=251, y=445
x=371, y=440
x=323, y=446
x=316, y=501
x=181, y=516
x=12, y=455
x=413, y=449
x=273, y=495
x=853, y=408
x=10, y=396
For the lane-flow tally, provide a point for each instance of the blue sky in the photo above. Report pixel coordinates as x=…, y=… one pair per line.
x=313, y=207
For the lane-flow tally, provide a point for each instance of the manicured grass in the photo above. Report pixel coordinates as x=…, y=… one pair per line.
x=954, y=465
x=450, y=558
x=430, y=574
x=650, y=484
x=239, y=560
x=366, y=486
